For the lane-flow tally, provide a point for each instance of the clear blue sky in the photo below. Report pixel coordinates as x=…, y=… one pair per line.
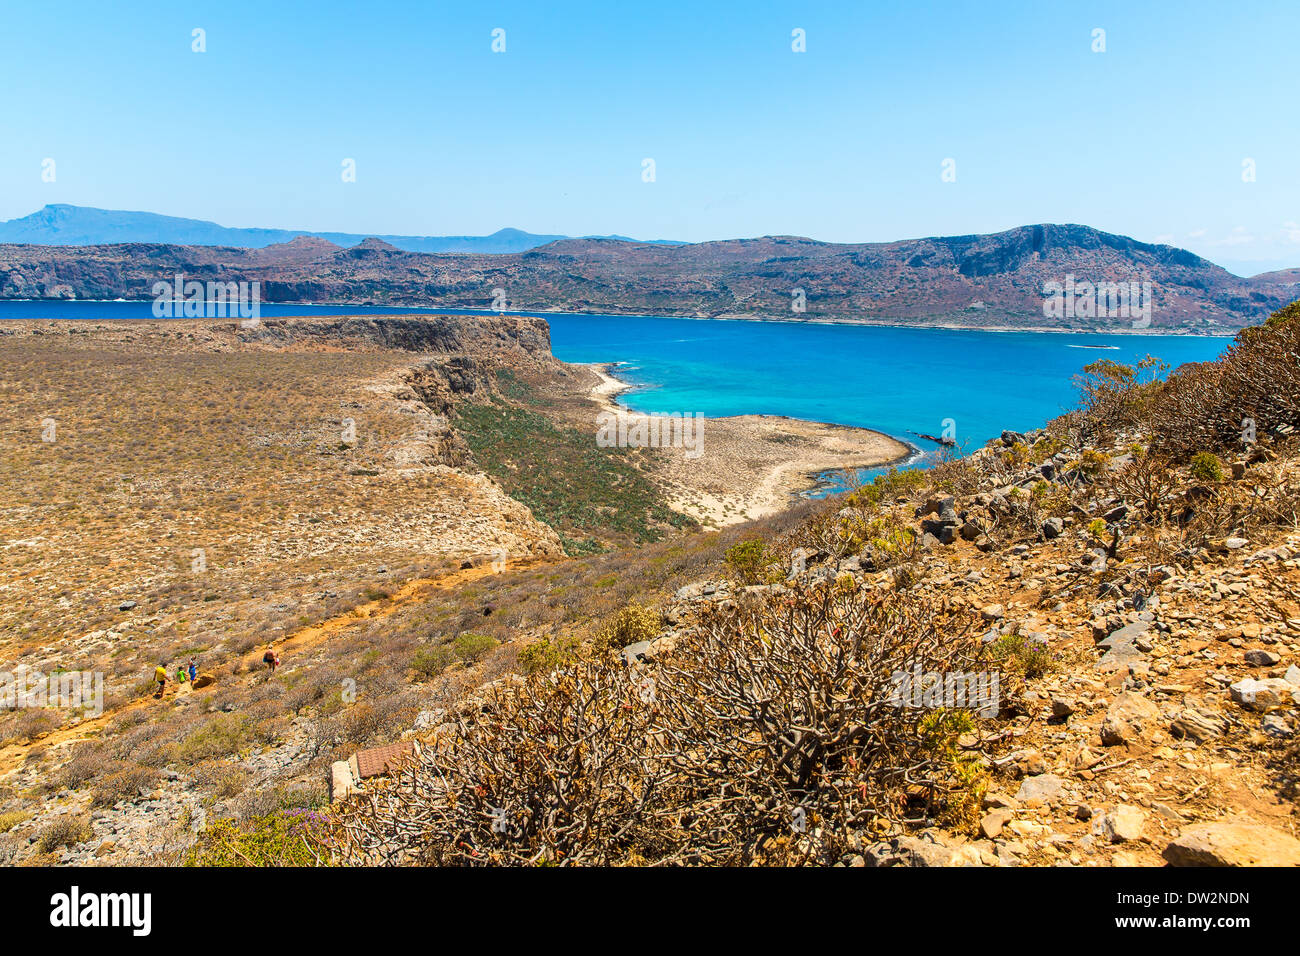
x=844, y=142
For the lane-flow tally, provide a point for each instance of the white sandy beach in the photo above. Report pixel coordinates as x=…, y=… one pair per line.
x=752, y=466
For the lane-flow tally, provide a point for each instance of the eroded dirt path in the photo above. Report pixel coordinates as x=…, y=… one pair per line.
x=12, y=756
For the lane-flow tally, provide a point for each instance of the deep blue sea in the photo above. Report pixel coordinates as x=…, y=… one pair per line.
x=900, y=381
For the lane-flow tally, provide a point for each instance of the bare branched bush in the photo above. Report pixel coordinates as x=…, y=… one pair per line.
x=1148, y=482
x=1252, y=394
x=770, y=734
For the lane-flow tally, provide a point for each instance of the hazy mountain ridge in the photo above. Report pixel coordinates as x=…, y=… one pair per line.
x=994, y=280
x=60, y=224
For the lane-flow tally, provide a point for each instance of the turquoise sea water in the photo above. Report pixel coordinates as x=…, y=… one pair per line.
x=900, y=381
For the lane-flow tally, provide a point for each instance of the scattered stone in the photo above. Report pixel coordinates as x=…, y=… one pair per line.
x=1053, y=528
x=1124, y=824
x=1044, y=788
x=1169, y=813
x=1262, y=658
x=1275, y=725
x=1198, y=724
x=127, y=606
x=992, y=823
x=1122, y=647
x=993, y=800
x=635, y=652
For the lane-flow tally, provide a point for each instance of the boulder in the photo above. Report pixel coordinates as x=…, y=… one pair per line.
x=1233, y=844
x=1053, y=528
x=1263, y=694
x=204, y=680
x=938, y=505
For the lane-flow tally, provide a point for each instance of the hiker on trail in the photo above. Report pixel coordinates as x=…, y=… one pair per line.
x=160, y=677
x=180, y=675
x=271, y=659
x=194, y=670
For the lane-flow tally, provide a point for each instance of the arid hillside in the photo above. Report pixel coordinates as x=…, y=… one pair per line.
x=1074, y=647
x=390, y=503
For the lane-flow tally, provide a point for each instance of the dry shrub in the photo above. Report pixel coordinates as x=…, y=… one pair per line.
x=381, y=718
x=1148, y=482
x=65, y=831
x=771, y=713
x=125, y=784
x=1204, y=406
x=86, y=764
x=958, y=475
x=1115, y=397
x=31, y=724
x=632, y=624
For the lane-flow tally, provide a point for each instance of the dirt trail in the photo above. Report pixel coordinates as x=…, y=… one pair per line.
x=13, y=755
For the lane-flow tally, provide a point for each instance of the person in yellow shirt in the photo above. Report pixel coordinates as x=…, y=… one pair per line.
x=160, y=676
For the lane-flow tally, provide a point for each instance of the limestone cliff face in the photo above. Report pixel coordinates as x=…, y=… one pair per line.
x=504, y=338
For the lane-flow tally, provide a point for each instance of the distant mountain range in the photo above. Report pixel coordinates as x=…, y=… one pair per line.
x=979, y=281
x=64, y=225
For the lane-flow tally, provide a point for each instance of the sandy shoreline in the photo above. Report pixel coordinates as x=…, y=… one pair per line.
x=752, y=466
